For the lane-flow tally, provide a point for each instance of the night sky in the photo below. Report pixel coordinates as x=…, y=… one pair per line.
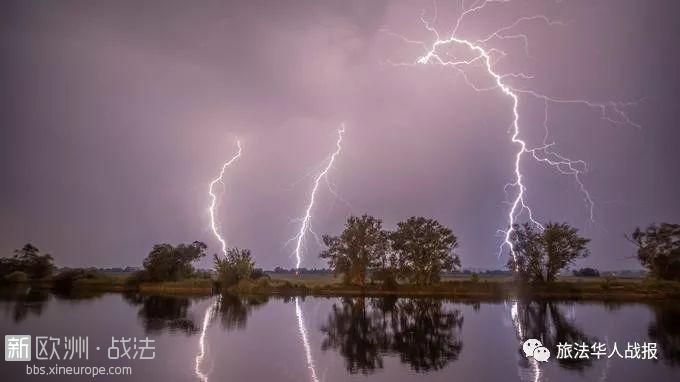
x=115, y=116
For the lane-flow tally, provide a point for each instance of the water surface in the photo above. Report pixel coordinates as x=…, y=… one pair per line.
x=227, y=338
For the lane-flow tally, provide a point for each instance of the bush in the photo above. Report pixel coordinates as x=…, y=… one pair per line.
x=237, y=266
x=16, y=277
x=257, y=274
x=137, y=278
x=65, y=279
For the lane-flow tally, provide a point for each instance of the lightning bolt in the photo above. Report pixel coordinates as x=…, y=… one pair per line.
x=213, y=198
x=305, y=340
x=305, y=226
x=481, y=55
x=201, y=343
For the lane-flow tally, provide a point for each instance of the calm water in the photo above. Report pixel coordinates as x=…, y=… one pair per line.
x=224, y=338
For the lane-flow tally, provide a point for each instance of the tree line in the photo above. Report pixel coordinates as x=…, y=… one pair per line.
x=421, y=248
x=418, y=251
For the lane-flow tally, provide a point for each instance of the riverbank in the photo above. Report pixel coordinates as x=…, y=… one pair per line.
x=495, y=288
x=457, y=287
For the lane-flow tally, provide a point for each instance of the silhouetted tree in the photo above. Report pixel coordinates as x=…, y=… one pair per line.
x=359, y=249
x=169, y=263
x=659, y=249
x=424, y=249
x=541, y=255
x=28, y=260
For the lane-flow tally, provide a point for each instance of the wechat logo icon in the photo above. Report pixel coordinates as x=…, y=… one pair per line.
x=534, y=348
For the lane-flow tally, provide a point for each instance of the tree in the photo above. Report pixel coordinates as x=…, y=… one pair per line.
x=236, y=266
x=540, y=255
x=169, y=263
x=28, y=260
x=659, y=249
x=424, y=249
x=359, y=249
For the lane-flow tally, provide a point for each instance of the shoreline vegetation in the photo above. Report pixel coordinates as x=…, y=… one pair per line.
x=490, y=287
x=417, y=259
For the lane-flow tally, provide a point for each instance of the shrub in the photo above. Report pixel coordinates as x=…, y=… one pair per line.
x=238, y=265
x=258, y=273
x=65, y=279
x=137, y=278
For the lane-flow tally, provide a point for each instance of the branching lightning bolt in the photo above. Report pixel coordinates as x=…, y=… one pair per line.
x=305, y=225
x=486, y=58
x=213, y=198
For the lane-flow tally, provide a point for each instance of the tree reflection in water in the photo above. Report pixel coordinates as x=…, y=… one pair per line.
x=545, y=321
x=159, y=313
x=173, y=313
x=665, y=331
x=233, y=311
x=423, y=332
x=23, y=301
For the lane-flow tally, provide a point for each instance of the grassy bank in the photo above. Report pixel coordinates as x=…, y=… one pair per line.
x=460, y=286
x=495, y=287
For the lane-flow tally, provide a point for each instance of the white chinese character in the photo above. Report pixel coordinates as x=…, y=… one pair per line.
x=146, y=341
x=598, y=350
x=582, y=351
x=564, y=350
x=17, y=348
x=615, y=350
x=120, y=352
x=632, y=351
x=41, y=343
x=649, y=350
x=76, y=346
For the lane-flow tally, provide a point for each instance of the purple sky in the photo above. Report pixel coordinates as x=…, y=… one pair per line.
x=115, y=116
